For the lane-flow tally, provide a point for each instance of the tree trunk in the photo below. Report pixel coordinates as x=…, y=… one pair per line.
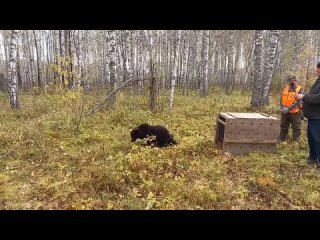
x=6, y=52
x=173, y=82
x=269, y=65
x=257, y=81
x=205, y=60
x=111, y=43
x=210, y=59
x=19, y=70
x=229, y=81
x=223, y=61
x=318, y=47
x=186, y=67
x=31, y=65
x=3, y=83
x=71, y=78
x=168, y=57
x=129, y=52
x=38, y=60
x=235, y=67
x=248, y=65
x=123, y=52
x=49, y=54
x=153, y=92
x=12, y=73
x=61, y=56
x=216, y=58
x=140, y=70
x=56, y=54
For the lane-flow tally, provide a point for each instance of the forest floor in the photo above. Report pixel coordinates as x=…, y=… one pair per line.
x=47, y=163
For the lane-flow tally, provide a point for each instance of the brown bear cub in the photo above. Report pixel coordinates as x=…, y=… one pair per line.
x=162, y=137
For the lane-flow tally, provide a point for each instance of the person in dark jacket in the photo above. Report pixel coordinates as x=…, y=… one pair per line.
x=311, y=110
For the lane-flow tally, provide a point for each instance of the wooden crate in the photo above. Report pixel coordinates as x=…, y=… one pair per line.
x=240, y=133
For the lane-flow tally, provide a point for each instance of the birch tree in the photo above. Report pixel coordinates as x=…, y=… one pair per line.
x=229, y=78
x=205, y=61
x=257, y=81
x=269, y=65
x=112, y=58
x=12, y=73
x=173, y=82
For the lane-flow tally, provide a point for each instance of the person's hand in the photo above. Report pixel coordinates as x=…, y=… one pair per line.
x=285, y=110
x=299, y=96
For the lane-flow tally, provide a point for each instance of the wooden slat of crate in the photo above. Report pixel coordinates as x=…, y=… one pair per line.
x=226, y=115
x=250, y=141
x=230, y=128
x=252, y=128
x=235, y=115
x=243, y=148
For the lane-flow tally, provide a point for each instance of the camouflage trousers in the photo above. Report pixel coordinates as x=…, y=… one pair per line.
x=295, y=120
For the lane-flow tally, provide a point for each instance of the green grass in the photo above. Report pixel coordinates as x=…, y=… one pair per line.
x=45, y=163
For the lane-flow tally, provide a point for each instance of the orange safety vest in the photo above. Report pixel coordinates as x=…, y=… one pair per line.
x=288, y=98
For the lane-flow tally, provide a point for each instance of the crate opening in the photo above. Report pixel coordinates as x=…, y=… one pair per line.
x=221, y=128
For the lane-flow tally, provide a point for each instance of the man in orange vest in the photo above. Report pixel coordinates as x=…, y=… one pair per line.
x=291, y=109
